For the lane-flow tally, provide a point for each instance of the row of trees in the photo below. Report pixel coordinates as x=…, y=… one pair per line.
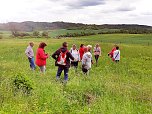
x=122, y=31
x=127, y=31
x=77, y=34
x=34, y=34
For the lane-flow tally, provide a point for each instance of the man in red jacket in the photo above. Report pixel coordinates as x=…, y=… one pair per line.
x=62, y=57
x=41, y=57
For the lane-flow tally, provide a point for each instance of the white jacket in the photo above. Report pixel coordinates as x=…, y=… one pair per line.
x=86, y=60
x=75, y=54
x=116, y=55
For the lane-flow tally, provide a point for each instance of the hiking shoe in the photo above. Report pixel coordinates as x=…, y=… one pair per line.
x=64, y=82
x=57, y=79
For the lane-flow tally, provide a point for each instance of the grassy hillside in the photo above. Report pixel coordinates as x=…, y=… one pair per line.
x=32, y=26
x=123, y=88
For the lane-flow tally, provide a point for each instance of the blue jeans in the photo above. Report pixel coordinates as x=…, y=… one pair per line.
x=60, y=69
x=32, y=64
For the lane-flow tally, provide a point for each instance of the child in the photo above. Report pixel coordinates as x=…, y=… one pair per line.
x=116, y=55
x=86, y=61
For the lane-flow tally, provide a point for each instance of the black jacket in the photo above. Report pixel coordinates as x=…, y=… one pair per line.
x=68, y=57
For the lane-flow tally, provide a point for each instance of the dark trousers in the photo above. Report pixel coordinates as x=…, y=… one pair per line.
x=116, y=61
x=60, y=69
x=74, y=63
x=96, y=58
x=84, y=70
x=32, y=64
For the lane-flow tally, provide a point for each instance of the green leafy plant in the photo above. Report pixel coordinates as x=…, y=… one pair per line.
x=22, y=83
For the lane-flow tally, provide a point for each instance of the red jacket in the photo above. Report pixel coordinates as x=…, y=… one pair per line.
x=81, y=51
x=112, y=51
x=41, y=57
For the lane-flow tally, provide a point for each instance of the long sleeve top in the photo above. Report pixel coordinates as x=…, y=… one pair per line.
x=29, y=52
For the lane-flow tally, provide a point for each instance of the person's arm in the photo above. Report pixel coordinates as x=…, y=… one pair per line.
x=70, y=56
x=92, y=59
x=94, y=50
x=55, y=54
x=43, y=55
x=112, y=52
x=27, y=52
x=79, y=56
x=84, y=60
x=100, y=51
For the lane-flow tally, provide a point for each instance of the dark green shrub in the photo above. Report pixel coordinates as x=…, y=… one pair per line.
x=45, y=34
x=36, y=33
x=22, y=83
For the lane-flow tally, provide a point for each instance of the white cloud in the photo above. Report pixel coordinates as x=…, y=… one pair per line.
x=80, y=11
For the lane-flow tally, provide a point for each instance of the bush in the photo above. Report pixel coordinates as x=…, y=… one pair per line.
x=22, y=83
x=36, y=33
x=45, y=34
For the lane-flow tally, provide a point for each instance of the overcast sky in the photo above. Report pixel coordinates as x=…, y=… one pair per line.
x=79, y=11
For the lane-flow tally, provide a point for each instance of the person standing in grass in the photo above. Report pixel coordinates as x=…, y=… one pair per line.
x=81, y=51
x=110, y=54
x=97, y=52
x=90, y=50
x=86, y=61
x=41, y=57
x=116, y=54
x=62, y=57
x=30, y=54
x=75, y=53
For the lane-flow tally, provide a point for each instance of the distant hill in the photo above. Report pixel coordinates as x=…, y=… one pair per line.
x=29, y=26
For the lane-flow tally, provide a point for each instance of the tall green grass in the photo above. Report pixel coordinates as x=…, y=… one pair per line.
x=123, y=88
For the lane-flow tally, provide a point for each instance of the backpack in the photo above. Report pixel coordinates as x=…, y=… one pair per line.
x=62, y=58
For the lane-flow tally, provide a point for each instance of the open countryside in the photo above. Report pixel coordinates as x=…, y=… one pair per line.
x=110, y=88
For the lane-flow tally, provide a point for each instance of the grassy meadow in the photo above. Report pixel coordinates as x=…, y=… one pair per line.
x=123, y=88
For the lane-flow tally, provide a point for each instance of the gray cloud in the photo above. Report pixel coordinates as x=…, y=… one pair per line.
x=84, y=3
x=125, y=9
x=79, y=11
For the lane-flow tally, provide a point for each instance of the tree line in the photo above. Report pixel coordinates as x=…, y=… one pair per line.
x=34, y=34
x=121, y=31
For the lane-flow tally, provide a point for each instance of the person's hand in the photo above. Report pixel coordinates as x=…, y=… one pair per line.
x=48, y=55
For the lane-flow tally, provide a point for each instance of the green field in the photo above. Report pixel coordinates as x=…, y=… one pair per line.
x=57, y=32
x=54, y=33
x=123, y=88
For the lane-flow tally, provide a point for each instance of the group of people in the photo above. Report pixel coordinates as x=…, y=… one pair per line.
x=65, y=58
